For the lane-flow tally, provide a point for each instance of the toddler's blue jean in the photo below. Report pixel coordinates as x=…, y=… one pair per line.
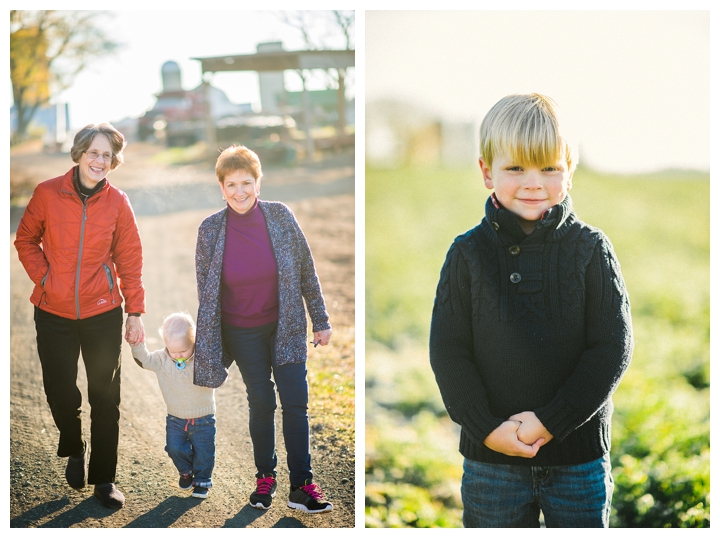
x=191, y=447
x=573, y=496
x=253, y=349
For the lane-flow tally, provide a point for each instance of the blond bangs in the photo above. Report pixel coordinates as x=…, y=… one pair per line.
x=524, y=128
x=532, y=142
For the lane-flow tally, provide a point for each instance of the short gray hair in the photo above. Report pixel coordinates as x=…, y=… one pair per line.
x=87, y=134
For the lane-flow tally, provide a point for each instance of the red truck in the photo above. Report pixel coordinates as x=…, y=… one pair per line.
x=178, y=117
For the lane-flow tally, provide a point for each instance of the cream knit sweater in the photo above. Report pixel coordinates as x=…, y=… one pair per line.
x=183, y=398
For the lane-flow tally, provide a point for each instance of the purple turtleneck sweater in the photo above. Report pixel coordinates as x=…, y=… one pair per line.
x=249, y=285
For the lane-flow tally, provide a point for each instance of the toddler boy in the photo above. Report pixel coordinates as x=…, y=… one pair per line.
x=531, y=334
x=190, y=422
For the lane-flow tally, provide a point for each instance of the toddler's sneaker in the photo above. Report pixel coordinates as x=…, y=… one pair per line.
x=185, y=481
x=308, y=498
x=264, y=492
x=200, y=492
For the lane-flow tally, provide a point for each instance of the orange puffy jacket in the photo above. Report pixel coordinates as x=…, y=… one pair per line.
x=75, y=253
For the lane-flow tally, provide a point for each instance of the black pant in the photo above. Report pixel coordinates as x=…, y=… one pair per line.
x=60, y=342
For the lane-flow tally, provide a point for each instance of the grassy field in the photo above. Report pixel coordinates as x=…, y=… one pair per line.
x=332, y=385
x=659, y=227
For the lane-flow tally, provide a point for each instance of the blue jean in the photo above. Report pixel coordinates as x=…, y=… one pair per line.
x=253, y=349
x=190, y=443
x=573, y=496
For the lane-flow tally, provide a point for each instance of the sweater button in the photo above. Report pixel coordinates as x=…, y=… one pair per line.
x=514, y=250
x=515, y=278
x=495, y=225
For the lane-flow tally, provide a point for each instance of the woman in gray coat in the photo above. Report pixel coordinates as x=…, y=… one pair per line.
x=254, y=268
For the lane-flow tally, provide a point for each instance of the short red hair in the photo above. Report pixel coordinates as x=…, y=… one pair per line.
x=237, y=158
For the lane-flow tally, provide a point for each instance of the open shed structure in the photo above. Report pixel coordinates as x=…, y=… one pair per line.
x=283, y=60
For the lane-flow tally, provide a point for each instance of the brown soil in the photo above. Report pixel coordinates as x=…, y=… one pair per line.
x=170, y=202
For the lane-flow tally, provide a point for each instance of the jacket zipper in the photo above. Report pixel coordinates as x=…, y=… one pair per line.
x=80, y=251
x=108, y=274
x=79, y=262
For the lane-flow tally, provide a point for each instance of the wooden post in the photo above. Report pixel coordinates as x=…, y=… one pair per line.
x=210, y=131
x=341, y=102
x=307, y=113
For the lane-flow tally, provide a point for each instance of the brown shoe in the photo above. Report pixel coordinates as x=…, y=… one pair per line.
x=75, y=472
x=109, y=495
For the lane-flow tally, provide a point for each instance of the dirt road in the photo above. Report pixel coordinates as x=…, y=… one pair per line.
x=170, y=203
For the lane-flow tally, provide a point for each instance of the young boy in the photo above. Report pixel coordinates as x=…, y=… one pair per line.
x=190, y=422
x=530, y=334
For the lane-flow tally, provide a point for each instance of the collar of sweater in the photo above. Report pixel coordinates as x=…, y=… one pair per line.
x=81, y=189
x=249, y=215
x=504, y=224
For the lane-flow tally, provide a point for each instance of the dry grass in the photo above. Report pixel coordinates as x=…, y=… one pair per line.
x=331, y=374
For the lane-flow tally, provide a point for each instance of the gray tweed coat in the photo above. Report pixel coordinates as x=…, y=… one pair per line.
x=297, y=279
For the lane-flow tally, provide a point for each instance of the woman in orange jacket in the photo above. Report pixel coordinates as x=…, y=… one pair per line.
x=77, y=239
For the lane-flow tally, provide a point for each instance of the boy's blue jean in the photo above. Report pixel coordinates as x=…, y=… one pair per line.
x=572, y=496
x=253, y=349
x=191, y=446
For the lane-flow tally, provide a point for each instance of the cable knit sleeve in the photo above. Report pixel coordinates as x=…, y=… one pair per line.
x=608, y=333
x=203, y=255
x=309, y=282
x=452, y=355
x=210, y=353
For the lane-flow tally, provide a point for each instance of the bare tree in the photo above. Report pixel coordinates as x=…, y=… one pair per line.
x=301, y=21
x=346, y=22
x=47, y=50
x=319, y=29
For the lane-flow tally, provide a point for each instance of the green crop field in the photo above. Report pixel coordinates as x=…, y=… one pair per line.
x=659, y=225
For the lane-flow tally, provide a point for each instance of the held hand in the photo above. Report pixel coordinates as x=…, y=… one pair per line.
x=134, y=330
x=531, y=429
x=504, y=439
x=322, y=337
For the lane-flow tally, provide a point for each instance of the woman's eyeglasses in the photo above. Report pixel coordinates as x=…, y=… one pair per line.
x=93, y=155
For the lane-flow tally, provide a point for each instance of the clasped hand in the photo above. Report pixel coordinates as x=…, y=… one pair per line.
x=134, y=330
x=520, y=435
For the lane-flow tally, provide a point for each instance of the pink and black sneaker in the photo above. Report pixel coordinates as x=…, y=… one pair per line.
x=264, y=492
x=308, y=498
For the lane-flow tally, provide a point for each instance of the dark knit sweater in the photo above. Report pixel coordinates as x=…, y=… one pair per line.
x=537, y=322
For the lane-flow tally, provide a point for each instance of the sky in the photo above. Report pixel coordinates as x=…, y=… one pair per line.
x=125, y=84
x=634, y=85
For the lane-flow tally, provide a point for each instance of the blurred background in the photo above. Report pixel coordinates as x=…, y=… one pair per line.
x=282, y=81
x=635, y=87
